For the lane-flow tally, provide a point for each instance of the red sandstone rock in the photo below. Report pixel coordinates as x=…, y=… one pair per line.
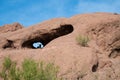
x=10, y=27
x=97, y=61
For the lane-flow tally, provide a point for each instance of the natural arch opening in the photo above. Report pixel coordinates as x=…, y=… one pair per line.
x=38, y=45
x=43, y=39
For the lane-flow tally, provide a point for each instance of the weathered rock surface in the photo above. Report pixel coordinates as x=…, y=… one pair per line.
x=107, y=36
x=10, y=27
x=98, y=61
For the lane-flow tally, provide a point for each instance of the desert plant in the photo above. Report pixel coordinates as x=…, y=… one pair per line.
x=47, y=72
x=14, y=73
x=6, y=65
x=9, y=71
x=82, y=40
x=30, y=70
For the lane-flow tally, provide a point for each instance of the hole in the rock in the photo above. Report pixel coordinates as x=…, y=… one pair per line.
x=43, y=39
x=118, y=50
x=38, y=45
x=9, y=44
x=94, y=68
x=115, y=53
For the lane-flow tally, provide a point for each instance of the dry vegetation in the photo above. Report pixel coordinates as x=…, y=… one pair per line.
x=82, y=40
x=30, y=70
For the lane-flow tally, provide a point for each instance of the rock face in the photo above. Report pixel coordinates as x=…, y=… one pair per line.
x=10, y=27
x=107, y=36
x=98, y=61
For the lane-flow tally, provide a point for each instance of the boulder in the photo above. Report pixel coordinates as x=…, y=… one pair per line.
x=97, y=61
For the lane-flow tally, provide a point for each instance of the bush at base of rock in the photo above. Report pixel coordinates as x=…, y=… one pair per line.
x=30, y=70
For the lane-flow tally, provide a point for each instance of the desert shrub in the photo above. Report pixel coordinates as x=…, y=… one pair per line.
x=82, y=40
x=30, y=70
x=9, y=70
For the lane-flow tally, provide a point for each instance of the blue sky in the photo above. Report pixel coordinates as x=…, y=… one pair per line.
x=30, y=12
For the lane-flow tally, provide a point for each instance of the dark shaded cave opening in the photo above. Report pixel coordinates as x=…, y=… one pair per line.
x=115, y=52
x=94, y=67
x=43, y=39
x=9, y=44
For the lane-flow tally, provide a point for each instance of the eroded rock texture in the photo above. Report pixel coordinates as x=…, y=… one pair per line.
x=107, y=36
x=10, y=27
x=100, y=60
x=44, y=36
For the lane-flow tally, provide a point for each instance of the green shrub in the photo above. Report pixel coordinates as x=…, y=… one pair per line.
x=9, y=71
x=30, y=70
x=82, y=40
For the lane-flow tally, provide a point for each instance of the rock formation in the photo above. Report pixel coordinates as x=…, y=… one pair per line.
x=10, y=27
x=98, y=61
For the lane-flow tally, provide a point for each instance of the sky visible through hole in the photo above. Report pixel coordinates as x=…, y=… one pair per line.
x=30, y=12
x=38, y=45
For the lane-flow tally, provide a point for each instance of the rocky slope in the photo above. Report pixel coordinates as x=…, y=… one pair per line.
x=98, y=61
x=10, y=27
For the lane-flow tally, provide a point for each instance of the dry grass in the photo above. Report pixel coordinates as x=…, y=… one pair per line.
x=30, y=70
x=82, y=40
